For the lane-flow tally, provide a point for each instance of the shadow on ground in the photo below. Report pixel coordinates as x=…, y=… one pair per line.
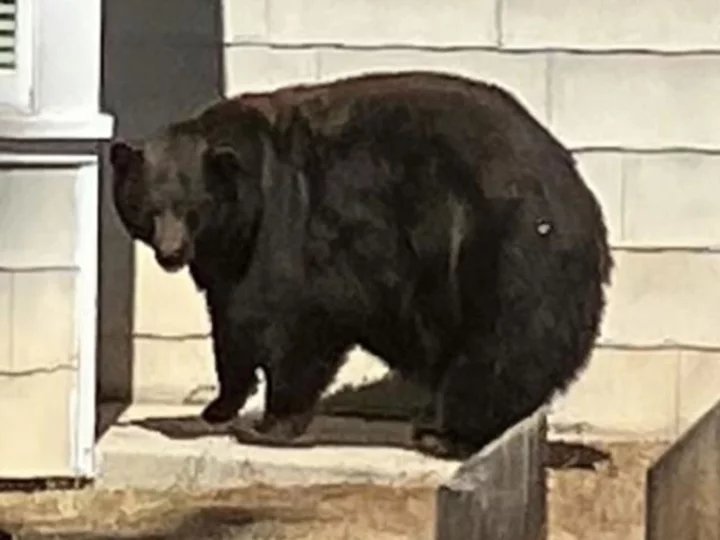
x=374, y=415
x=378, y=414
x=250, y=512
x=206, y=523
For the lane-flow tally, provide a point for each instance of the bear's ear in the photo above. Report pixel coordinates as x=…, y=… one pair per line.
x=224, y=166
x=122, y=156
x=225, y=161
x=221, y=162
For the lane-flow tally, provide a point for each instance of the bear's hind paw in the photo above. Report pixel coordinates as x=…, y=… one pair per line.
x=441, y=446
x=286, y=428
x=219, y=411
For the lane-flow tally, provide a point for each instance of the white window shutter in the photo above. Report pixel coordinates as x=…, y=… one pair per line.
x=16, y=56
x=8, y=29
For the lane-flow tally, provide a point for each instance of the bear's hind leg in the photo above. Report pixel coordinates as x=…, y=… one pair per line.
x=499, y=378
x=475, y=405
x=544, y=319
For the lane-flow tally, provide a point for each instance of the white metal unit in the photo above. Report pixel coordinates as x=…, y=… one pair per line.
x=50, y=54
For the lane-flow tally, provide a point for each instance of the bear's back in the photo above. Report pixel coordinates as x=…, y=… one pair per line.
x=485, y=126
x=330, y=99
x=514, y=155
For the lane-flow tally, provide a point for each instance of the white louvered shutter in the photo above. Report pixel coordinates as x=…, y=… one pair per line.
x=8, y=30
x=16, y=55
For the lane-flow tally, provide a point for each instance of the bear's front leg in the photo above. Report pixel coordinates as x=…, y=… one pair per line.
x=235, y=363
x=301, y=364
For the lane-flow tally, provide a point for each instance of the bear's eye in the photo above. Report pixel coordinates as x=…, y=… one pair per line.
x=140, y=226
x=192, y=221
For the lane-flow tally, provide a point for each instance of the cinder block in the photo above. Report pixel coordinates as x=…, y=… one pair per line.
x=522, y=74
x=171, y=370
x=5, y=322
x=603, y=172
x=698, y=385
x=166, y=304
x=360, y=368
x=374, y=22
x=635, y=100
x=672, y=200
x=666, y=297
x=35, y=415
x=245, y=21
x=38, y=217
x=43, y=320
x=258, y=68
x=624, y=392
x=611, y=24
x=191, y=363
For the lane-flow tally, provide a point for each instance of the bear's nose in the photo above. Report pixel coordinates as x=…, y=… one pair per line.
x=174, y=260
x=176, y=254
x=169, y=236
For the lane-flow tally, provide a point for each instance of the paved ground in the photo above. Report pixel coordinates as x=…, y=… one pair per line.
x=166, y=476
x=603, y=504
x=257, y=512
x=159, y=447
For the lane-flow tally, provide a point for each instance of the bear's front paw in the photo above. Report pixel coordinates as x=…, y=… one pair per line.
x=284, y=429
x=219, y=411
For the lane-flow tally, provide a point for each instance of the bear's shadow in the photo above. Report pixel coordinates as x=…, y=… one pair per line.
x=374, y=415
x=377, y=414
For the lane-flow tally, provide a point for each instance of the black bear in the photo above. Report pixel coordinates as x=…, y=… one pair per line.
x=427, y=217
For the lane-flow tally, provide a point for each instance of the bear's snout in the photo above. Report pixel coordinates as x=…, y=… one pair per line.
x=171, y=243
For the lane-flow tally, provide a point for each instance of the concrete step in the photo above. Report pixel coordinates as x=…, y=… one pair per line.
x=164, y=446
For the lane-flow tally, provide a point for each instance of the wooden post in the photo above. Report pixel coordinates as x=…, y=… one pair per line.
x=683, y=485
x=500, y=493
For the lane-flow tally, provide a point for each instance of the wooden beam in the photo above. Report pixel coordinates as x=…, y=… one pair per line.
x=683, y=485
x=500, y=493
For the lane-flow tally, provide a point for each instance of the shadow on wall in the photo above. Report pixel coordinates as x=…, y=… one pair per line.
x=162, y=60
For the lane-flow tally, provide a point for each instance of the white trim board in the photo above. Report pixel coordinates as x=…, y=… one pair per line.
x=86, y=313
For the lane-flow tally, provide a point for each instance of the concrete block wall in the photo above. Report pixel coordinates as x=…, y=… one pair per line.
x=628, y=87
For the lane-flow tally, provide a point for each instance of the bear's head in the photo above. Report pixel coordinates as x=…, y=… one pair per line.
x=178, y=187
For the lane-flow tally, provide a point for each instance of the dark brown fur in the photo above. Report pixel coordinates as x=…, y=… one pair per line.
x=424, y=216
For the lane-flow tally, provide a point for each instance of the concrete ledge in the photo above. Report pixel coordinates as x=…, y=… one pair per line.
x=131, y=456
